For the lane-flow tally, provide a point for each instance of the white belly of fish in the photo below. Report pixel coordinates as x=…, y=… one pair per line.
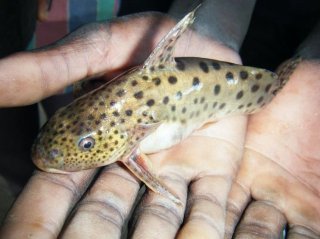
x=166, y=136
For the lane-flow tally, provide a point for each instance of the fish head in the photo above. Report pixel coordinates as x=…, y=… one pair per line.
x=76, y=138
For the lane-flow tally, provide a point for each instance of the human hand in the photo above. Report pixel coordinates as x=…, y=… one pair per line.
x=278, y=184
x=67, y=205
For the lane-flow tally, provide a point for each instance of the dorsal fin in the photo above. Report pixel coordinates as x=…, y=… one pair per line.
x=161, y=56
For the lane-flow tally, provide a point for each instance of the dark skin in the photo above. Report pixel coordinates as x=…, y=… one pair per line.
x=201, y=170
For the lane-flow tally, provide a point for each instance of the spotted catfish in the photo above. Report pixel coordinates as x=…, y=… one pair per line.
x=149, y=108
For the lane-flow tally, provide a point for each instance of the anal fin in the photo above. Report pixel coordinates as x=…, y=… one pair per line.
x=137, y=163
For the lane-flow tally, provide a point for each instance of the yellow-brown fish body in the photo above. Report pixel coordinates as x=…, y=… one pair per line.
x=176, y=102
x=149, y=108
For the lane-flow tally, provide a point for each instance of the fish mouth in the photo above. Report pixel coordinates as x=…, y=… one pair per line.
x=43, y=163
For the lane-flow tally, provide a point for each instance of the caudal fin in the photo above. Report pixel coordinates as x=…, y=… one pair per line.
x=285, y=70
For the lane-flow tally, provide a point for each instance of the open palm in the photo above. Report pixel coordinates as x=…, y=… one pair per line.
x=91, y=205
x=280, y=170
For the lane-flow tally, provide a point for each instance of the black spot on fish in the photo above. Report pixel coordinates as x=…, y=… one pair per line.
x=145, y=77
x=101, y=103
x=196, y=82
x=112, y=123
x=202, y=99
x=173, y=108
x=205, y=107
x=165, y=100
x=240, y=107
x=103, y=116
x=214, y=105
x=217, y=89
x=99, y=132
x=172, y=80
x=260, y=100
x=222, y=106
x=248, y=105
x=267, y=88
x=128, y=112
x=204, y=67
x=258, y=76
x=156, y=80
x=180, y=65
x=178, y=95
x=229, y=77
x=150, y=102
x=152, y=68
x=255, y=88
x=138, y=95
x=216, y=65
x=195, y=101
x=97, y=122
x=112, y=103
x=243, y=75
x=184, y=110
x=116, y=113
x=239, y=95
x=139, y=120
x=120, y=93
x=134, y=83
x=90, y=117
x=161, y=66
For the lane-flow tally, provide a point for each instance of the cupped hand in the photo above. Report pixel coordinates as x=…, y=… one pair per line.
x=278, y=185
x=88, y=204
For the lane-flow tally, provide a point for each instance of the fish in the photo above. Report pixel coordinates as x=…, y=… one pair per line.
x=150, y=108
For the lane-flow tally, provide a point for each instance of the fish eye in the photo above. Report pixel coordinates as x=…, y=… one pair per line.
x=86, y=143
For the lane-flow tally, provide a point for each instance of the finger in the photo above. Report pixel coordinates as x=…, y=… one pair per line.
x=42, y=207
x=28, y=77
x=206, y=208
x=301, y=232
x=157, y=216
x=261, y=220
x=104, y=210
x=238, y=198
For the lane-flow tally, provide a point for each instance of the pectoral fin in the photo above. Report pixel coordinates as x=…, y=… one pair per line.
x=137, y=163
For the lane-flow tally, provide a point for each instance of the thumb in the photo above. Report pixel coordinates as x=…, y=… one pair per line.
x=28, y=77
